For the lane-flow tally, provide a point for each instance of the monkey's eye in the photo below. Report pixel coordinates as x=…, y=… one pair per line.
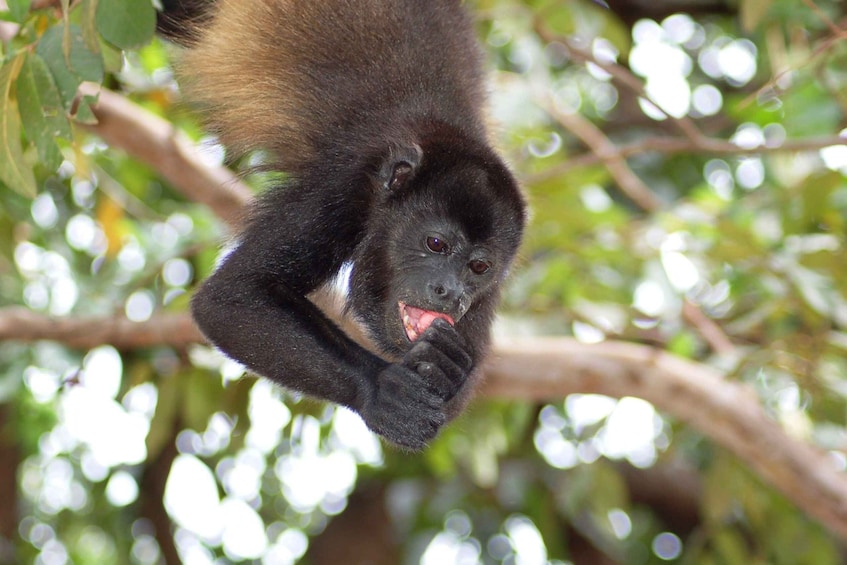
x=437, y=245
x=479, y=267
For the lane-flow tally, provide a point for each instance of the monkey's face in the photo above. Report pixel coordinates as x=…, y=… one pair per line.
x=440, y=237
x=419, y=269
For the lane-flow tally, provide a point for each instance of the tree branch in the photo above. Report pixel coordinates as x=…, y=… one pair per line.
x=727, y=412
x=10, y=459
x=174, y=330
x=548, y=369
x=601, y=146
x=154, y=141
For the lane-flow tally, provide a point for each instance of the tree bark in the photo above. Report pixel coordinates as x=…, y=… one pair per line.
x=361, y=535
x=152, y=499
x=9, y=461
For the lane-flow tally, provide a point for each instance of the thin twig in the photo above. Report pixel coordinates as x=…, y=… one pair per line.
x=632, y=185
x=601, y=146
x=620, y=73
x=833, y=27
x=675, y=145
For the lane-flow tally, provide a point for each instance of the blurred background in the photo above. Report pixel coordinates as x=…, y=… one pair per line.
x=685, y=161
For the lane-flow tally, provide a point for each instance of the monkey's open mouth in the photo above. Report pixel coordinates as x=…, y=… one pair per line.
x=417, y=320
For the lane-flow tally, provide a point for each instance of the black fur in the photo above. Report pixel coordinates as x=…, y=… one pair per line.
x=390, y=170
x=179, y=18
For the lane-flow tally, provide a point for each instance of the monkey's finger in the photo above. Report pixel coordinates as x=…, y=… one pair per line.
x=402, y=388
x=441, y=375
x=427, y=353
x=446, y=339
x=405, y=412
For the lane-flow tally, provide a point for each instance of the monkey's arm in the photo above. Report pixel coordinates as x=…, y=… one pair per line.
x=254, y=309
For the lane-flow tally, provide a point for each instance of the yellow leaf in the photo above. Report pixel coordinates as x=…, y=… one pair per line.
x=110, y=214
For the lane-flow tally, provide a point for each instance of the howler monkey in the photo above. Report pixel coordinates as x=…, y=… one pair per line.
x=374, y=110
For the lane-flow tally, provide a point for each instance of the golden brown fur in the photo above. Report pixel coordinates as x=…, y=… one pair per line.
x=281, y=74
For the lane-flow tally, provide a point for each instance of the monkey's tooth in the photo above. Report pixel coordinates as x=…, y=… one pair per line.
x=408, y=325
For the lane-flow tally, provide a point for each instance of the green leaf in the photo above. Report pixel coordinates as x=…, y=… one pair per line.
x=166, y=415
x=235, y=403
x=126, y=23
x=41, y=110
x=113, y=58
x=203, y=397
x=72, y=65
x=84, y=114
x=18, y=9
x=683, y=344
x=753, y=13
x=87, y=18
x=14, y=172
x=818, y=292
x=730, y=547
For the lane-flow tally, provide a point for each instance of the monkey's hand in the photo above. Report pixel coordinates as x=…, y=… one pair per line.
x=409, y=403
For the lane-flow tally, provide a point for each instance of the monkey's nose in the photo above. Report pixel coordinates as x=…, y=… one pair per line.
x=446, y=293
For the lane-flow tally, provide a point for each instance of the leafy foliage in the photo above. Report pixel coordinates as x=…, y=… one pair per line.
x=749, y=230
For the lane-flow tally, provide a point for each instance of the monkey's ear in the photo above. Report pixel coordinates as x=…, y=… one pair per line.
x=400, y=166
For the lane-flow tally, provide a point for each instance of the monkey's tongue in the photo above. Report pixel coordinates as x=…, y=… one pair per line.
x=417, y=320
